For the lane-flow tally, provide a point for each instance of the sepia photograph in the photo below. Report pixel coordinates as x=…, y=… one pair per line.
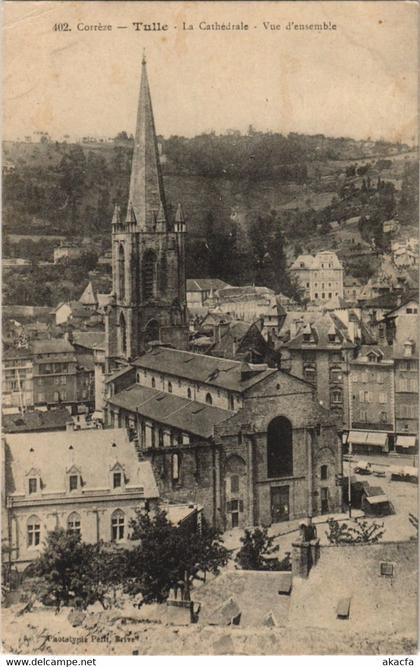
x=210, y=265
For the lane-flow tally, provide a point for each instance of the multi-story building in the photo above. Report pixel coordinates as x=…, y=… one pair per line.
x=17, y=385
x=249, y=443
x=89, y=482
x=372, y=406
x=250, y=303
x=318, y=347
x=406, y=368
x=320, y=277
x=199, y=290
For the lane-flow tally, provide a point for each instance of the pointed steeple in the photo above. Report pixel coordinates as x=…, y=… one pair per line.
x=147, y=197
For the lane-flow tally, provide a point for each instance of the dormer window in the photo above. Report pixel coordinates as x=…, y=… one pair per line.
x=33, y=484
x=117, y=477
x=74, y=479
x=33, y=481
x=73, y=482
x=307, y=337
x=408, y=348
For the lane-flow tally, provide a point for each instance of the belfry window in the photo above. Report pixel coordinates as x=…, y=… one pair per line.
x=149, y=275
x=121, y=272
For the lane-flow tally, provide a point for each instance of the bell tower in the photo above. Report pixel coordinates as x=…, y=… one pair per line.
x=148, y=301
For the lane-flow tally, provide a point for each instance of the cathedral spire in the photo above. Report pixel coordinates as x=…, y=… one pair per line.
x=147, y=197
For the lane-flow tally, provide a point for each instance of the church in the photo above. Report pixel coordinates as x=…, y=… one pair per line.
x=251, y=444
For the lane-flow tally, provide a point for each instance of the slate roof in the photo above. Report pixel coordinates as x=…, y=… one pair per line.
x=320, y=325
x=92, y=340
x=180, y=413
x=52, y=346
x=52, y=420
x=217, y=372
x=205, y=284
x=91, y=451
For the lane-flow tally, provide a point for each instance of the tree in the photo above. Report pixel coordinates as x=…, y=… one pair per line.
x=363, y=532
x=78, y=574
x=170, y=556
x=257, y=551
x=65, y=568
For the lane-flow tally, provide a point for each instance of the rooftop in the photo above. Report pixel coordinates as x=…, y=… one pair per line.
x=92, y=452
x=52, y=420
x=180, y=413
x=214, y=371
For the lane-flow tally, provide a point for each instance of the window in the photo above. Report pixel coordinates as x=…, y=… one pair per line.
x=324, y=472
x=33, y=485
x=121, y=272
x=336, y=375
x=160, y=437
x=279, y=448
x=309, y=373
x=170, y=387
x=387, y=569
x=175, y=467
x=122, y=334
x=117, y=480
x=117, y=525
x=380, y=378
x=73, y=482
x=382, y=397
x=153, y=383
x=189, y=392
x=234, y=484
x=337, y=396
x=149, y=275
x=363, y=416
x=73, y=523
x=33, y=531
x=384, y=417
x=231, y=402
x=209, y=399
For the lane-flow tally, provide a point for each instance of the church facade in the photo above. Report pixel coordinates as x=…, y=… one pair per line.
x=251, y=444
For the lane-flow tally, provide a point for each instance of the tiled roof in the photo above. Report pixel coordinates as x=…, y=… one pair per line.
x=218, y=372
x=180, y=413
x=91, y=451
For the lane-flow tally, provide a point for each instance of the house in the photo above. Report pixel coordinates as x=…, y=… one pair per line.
x=199, y=290
x=72, y=311
x=89, y=482
x=62, y=376
x=232, y=339
x=320, y=277
x=17, y=371
x=250, y=303
x=352, y=289
x=31, y=421
x=318, y=348
x=67, y=251
x=372, y=406
x=211, y=428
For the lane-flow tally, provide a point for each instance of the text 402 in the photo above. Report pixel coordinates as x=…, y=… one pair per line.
x=62, y=27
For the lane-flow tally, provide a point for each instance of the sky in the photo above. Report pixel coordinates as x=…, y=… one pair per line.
x=359, y=80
